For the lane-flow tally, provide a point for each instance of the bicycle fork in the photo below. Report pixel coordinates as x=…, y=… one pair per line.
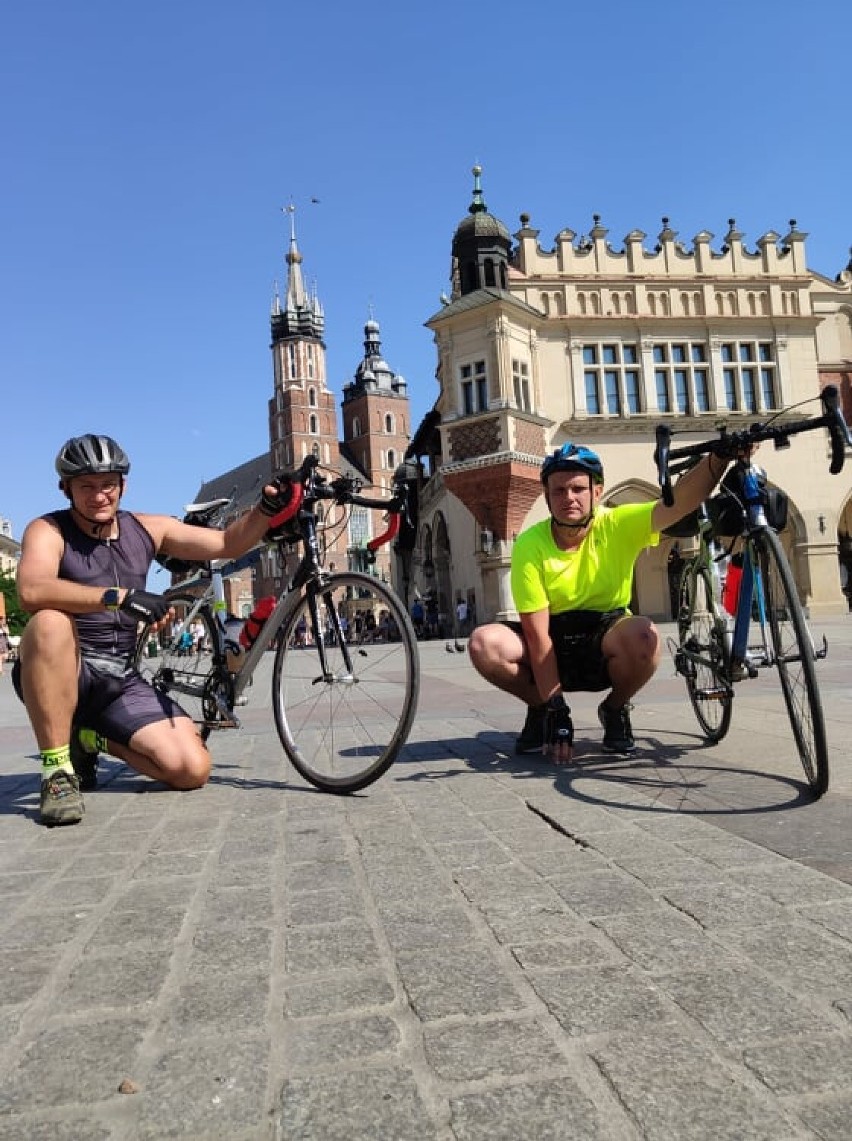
x=347, y=676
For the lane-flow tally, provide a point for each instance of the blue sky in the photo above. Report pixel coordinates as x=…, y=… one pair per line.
x=148, y=150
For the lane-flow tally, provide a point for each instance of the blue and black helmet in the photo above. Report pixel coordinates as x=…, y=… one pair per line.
x=573, y=457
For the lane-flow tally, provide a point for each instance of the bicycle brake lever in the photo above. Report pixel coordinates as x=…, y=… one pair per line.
x=838, y=429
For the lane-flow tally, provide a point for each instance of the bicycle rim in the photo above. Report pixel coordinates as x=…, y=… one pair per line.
x=189, y=677
x=794, y=657
x=702, y=655
x=342, y=729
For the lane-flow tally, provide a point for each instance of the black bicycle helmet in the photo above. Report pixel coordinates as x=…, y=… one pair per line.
x=91, y=455
x=573, y=457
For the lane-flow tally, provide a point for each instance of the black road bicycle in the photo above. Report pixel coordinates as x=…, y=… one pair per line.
x=769, y=626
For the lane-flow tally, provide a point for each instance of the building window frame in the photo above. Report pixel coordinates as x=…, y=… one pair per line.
x=611, y=378
x=474, y=388
x=521, y=384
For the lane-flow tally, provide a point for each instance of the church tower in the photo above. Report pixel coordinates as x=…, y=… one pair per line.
x=302, y=413
x=376, y=426
x=376, y=422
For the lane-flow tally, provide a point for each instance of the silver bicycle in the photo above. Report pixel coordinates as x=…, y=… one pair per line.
x=344, y=702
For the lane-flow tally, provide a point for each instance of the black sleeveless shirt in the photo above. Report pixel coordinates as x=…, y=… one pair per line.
x=105, y=562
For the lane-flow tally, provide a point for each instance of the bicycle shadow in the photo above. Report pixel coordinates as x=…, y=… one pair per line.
x=668, y=775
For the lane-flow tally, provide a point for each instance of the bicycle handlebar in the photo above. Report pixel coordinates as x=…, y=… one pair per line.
x=731, y=444
x=345, y=490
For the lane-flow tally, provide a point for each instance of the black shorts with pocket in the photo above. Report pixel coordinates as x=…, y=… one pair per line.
x=114, y=699
x=577, y=636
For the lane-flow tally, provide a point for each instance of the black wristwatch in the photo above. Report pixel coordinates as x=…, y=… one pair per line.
x=111, y=598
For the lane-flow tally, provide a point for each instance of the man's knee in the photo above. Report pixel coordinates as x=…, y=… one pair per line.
x=176, y=749
x=484, y=645
x=636, y=639
x=49, y=633
x=195, y=771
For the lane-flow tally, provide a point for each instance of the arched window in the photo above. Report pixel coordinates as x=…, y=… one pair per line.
x=389, y=423
x=391, y=459
x=312, y=397
x=356, y=426
x=315, y=450
x=314, y=428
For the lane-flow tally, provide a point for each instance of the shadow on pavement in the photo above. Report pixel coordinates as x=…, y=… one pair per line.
x=667, y=776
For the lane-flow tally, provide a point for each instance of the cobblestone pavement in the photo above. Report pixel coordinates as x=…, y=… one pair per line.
x=478, y=946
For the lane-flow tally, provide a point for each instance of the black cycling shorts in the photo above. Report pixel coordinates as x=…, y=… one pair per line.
x=115, y=706
x=577, y=637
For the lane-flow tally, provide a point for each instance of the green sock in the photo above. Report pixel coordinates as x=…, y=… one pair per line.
x=52, y=760
x=92, y=741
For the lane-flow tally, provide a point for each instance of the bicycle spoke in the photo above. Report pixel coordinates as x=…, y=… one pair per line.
x=184, y=671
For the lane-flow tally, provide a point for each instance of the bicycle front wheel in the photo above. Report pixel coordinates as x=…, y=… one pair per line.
x=183, y=669
x=702, y=655
x=345, y=682
x=794, y=657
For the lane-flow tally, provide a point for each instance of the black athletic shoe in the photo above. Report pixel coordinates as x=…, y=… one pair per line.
x=85, y=764
x=531, y=737
x=618, y=732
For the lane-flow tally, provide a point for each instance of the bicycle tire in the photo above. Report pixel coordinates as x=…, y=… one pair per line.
x=343, y=729
x=190, y=679
x=794, y=657
x=703, y=656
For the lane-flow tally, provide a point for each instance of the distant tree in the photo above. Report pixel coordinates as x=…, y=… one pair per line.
x=15, y=616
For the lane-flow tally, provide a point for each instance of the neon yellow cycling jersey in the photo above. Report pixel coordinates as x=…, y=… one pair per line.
x=598, y=575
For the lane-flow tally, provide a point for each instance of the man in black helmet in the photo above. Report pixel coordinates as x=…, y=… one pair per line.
x=571, y=580
x=82, y=577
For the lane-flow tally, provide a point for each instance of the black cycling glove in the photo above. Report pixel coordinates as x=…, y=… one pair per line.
x=558, y=726
x=144, y=606
x=273, y=504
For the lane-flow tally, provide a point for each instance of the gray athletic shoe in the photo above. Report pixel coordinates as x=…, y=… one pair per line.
x=61, y=801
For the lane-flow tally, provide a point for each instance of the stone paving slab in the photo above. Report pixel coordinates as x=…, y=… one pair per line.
x=478, y=946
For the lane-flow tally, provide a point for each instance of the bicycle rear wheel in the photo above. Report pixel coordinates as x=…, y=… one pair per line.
x=794, y=657
x=187, y=675
x=702, y=657
x=342, y=727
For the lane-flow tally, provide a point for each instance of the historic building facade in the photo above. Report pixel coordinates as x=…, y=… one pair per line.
x=596, y=343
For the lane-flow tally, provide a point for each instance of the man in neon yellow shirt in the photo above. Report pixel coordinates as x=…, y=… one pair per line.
x=571, y=581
